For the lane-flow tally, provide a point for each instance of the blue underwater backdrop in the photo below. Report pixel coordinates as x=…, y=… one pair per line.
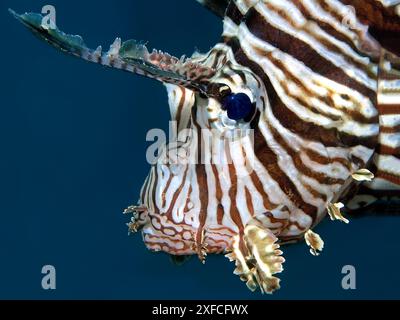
x=73, y=157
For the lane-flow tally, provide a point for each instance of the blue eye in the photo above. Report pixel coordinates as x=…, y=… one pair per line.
x=238, y=106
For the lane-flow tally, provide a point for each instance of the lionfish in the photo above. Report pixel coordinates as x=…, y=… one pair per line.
x=305, y=95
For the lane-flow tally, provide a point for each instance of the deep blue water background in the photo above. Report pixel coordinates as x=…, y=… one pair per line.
x=72, y=138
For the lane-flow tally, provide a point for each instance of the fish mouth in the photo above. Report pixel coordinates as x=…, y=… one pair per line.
x=139, y=218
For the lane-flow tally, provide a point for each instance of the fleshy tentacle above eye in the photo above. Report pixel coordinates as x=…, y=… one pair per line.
x=131, y=56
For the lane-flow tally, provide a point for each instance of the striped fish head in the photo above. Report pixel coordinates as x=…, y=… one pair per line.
x=212, y=98
x=205, y=156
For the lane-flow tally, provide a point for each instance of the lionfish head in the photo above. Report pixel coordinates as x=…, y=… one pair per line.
x=214, y=112
x=215, y=103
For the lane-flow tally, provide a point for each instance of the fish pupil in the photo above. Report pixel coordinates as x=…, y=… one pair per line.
x=238, y=106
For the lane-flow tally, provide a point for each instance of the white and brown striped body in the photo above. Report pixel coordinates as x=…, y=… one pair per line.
x=386, y=160
x=314, y=80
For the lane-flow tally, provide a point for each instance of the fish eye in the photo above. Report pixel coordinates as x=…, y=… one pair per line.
x=238, y=107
